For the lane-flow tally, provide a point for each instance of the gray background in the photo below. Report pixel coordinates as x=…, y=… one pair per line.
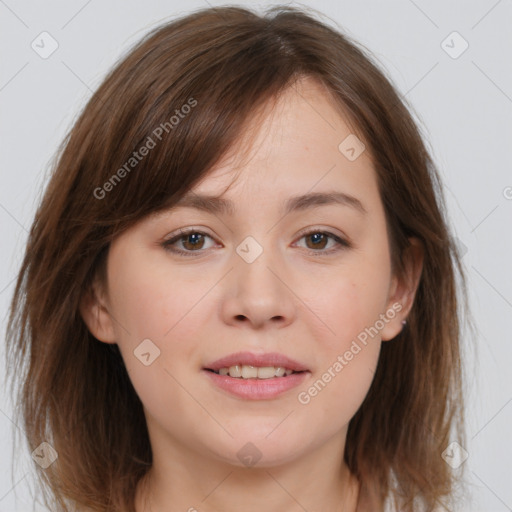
x=464, y=106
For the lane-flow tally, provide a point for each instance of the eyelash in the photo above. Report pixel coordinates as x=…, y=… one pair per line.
x=342, y=244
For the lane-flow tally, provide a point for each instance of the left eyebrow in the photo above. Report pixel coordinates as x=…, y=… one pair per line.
x=219, y=205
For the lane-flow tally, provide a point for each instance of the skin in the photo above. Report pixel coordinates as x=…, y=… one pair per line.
x=291, y=300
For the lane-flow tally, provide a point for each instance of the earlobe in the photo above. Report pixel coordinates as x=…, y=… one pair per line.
x=94, y=312
x=403, y=290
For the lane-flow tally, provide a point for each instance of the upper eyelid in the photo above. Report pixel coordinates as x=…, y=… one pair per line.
x=341, y=240
x=303, y=232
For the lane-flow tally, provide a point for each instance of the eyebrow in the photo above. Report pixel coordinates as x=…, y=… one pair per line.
x=219, y=205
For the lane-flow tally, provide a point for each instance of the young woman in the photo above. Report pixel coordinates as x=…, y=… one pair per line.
x=239, y=289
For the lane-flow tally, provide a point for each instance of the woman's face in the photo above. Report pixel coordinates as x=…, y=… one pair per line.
x=274, y=282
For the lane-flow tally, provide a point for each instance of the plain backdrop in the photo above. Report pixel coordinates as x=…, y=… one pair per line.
x=462, y=100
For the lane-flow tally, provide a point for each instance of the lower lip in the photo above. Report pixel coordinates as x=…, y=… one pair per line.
x=257, y=389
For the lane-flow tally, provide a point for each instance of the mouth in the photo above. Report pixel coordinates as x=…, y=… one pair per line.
x=256, y=376
x=245, y=371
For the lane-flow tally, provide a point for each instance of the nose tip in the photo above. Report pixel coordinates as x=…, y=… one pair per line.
x=259, y=296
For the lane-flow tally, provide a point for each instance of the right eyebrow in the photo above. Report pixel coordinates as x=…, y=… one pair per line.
x=219, y=205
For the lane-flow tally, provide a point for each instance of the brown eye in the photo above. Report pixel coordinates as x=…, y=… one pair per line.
x=193, y=241
x=317, y=241
x=190, y=240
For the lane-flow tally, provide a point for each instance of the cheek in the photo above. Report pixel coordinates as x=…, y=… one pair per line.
x=348, y=359
x=353, y=304
x=335, y=395
x=153, y=300
x=351, y=346
x=157, y=303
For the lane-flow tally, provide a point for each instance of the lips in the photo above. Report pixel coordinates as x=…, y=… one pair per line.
x=256, y=389
x=257, y=360
x=256, y=376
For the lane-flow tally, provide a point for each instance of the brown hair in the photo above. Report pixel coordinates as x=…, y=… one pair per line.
x=224, y=63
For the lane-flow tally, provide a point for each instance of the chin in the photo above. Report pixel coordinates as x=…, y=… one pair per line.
x=257, y=451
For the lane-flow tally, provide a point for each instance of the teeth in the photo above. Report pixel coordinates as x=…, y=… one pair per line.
x=246, y=371
x=235, y=371
x=249, y=372
x=267, y=372
x=280, y=371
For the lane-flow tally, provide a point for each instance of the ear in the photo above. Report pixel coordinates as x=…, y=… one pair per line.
x=403, y=290
x=95, y=313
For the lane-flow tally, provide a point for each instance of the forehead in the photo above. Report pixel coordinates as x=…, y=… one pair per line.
x=291, y=148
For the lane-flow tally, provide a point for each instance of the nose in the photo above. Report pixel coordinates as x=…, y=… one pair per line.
x=258, y=294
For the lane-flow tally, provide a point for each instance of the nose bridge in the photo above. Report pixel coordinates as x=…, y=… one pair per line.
x=257, y=287
x=254, y=261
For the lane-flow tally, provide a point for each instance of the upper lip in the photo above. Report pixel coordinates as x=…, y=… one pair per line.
x=260, y=360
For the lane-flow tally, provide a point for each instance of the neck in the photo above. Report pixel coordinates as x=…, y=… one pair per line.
x=184, y=480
